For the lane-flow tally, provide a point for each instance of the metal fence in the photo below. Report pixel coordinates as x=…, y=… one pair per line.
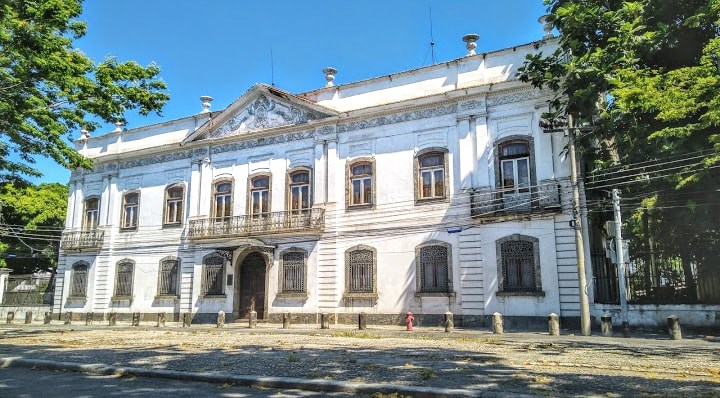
x=23, y=290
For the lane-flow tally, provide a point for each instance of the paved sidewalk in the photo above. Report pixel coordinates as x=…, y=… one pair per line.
x=427, y=362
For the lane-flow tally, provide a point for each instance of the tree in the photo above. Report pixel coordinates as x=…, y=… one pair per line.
x=646, y=73
x=49, y=89
x=31, y=219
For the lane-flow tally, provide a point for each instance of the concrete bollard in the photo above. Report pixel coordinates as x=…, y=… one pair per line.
x=553, y=324
x=28, y=317
x=48, y=318
x=10, y=317
x=88, y=318
x=221, y=319
x=449, y=322
x=136, y=319
x=253, y=320
x=161, y=319
x=362, y=321
x=497, y=323
x=673, y=324
x=626, y=329
x=112, y=319
x=324, y=320
x=606, y=326
x=68, y=318
x=286, y=320
x=187, y=319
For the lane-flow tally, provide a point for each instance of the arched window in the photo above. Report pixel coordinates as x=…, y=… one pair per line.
x=79, y=279
x=515, y=166
x=360, y=176
x=168, y=276
x=293, y=271
x=124, y=279
x=131, y=203
x=299, y=191
x=433, y=265
x=360, y=270
x=222, y=199
x=174, y=197
x=213, y=274
x=260, y=195
x=518, y=264
x=92, y=213
x=431, y=175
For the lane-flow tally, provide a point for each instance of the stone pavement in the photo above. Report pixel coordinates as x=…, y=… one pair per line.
x=427, y=362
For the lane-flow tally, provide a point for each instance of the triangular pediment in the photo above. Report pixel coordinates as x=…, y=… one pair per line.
x=261, y=108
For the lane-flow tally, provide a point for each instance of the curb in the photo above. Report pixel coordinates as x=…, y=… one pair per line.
x=250, y=381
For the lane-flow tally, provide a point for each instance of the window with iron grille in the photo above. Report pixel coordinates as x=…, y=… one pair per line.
x=213, y=275
x=124, y=279
x=174, y=205
x=360, y=270
x=92, y=209
x=519, y=264
x=293, y=272
x=79, y=279
x=168, y=276
x=431, y=175
x=434, y=266
x=131, y=201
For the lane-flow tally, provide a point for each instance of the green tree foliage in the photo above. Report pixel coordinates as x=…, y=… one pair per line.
x=647, y=74
x=30, y=221
x=49, y=89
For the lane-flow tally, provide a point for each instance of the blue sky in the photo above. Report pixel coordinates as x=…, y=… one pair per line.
x=222, y=47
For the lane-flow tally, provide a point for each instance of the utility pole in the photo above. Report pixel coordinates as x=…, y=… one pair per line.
x=577, y=225
x=620, y=256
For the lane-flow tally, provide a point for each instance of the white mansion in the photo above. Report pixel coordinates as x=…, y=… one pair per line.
x=429, y=190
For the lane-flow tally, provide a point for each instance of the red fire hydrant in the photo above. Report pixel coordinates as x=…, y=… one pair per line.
x=409, y=318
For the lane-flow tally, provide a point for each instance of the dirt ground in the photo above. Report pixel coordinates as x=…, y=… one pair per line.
x=565, y=366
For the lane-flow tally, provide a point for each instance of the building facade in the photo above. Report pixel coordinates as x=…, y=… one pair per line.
x=429, y=190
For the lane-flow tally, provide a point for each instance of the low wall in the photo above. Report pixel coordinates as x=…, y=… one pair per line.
x=655, y=315
x=37, y=310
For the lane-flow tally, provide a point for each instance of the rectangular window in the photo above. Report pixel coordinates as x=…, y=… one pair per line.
x=124, y=280
x=299, y=191
x=294, y=272
x=260, y=195
x=222, y=206
x=174, y=205
x=431, y=169
x=517, y=259
x=361, y=180
x=79, y=280
x=168, y=277
x=212, y=282
x=92, y=208
x=130, y=210
x=360, y=271
x=434, y=269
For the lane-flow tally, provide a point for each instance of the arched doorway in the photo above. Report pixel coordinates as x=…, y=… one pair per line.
x=251, y=286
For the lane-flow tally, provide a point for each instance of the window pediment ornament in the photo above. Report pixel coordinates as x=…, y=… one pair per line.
x=264, y=113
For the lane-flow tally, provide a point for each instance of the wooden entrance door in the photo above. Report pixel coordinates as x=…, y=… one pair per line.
x=252, y=286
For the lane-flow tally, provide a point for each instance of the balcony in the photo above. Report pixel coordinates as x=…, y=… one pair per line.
x=498, y=203
x=78, y=240
x=279, y=222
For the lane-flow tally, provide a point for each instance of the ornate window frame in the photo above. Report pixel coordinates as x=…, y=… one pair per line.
x=530, y=140
x=289, y=184
x=123, y=226
x=417, y=177
x=282, y=291
x=213, y=201
x=349, y=294
x=537, y=289
x=122, y=295
x=180, y=207
x=164, y=294
x=78, y=286
x=349, y=185
x=252, y=177
x=87, y=210
x=419, y=272
x=204, y=288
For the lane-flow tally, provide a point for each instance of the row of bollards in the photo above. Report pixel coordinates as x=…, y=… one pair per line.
x=606, y=324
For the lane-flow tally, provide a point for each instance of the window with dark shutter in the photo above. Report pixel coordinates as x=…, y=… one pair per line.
x=212, y=282
x=168, y=277
x=79, y=280
x=124, y=279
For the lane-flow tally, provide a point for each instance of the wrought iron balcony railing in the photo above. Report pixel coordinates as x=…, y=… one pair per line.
x=492, y=202
x=76, y=240
x=278, y=222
